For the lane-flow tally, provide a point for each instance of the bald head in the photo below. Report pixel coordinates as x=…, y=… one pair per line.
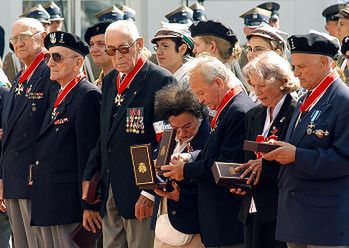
x=127, y=28
x=27, y=39
x=31, y=24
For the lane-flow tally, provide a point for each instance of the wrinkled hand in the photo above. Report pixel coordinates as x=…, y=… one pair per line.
x=238, y=191
x=91, y=220
x=173, y=195
x=143, y=208
x=185, y=157
x=285, y=154
x=252, y=168
x=2, y=201
x=175, y=171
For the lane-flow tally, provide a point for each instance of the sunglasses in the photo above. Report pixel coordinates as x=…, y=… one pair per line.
x=23, y=37
x=56, y=57
x=123, y=49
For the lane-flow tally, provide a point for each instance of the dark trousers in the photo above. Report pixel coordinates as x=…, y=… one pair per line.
x=260, y=235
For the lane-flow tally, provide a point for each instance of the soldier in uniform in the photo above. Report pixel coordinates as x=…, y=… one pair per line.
x=199, y=13
x=127, y=118
x=182, y=15
x=39, y=13
x=23, y=115
x=252, y=19
x=342, y=32
x=129, y=13
x=95, y=37
x=314, y=176
x=331, y=14
x=69, y=131
x=273, y=7
x=56, y=19
x=93, y=69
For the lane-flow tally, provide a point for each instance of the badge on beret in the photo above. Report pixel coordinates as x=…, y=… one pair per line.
x=61, y=39
x=53, y=38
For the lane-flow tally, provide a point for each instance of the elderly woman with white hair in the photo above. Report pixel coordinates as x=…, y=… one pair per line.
x=272, y=80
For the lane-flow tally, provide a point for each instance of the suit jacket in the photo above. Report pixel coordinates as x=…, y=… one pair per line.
x=3, y=93
x=265, y=194
x=61, y=153
x=183, y=214
x=112, y=152
x=314, y=190
x=22, y=119
x=218, y=208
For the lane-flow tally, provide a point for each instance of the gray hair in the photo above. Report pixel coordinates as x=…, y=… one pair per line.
x=210, y=68
x=125, y=26
x=271, y=68
x=32, y=24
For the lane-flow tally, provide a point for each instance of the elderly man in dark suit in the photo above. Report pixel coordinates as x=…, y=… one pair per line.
x=70, y=130
x=127, y=118
x=314, y=179
x=23, y=115
x=214, y=85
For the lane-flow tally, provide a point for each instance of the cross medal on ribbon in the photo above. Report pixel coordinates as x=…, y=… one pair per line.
x=122, y=84
x=25, y=74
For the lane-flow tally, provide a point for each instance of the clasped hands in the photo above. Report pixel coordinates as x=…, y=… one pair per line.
x=176, y=167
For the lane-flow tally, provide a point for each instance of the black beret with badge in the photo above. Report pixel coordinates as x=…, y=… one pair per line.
x=213, y=28
x=67, y=40
x=314, y=43
x=98, y=28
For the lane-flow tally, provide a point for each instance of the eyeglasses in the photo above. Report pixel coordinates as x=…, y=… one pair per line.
x=56, y=57
x=123, y=49
x=256, y=49
x=23, y=37
x=162, y=47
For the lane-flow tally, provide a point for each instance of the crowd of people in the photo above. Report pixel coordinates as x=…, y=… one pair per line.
x=76, y=106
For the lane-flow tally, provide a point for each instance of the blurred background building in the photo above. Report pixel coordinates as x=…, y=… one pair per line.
x=297, y=16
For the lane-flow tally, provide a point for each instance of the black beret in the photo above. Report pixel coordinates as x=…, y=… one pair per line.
x=314, y=43
x=98, y=28
x=215, y=28
x=67, y=40
x=345, y=45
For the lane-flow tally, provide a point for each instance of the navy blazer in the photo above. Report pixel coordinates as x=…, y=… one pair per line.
x=218, y=208
x=183, y=214
x=22, y=119
x=112, y=152
x=265, y=194
x=61, y=153
x=314, y=190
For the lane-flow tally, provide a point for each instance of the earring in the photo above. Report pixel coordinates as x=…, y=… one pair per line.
x=282, y=87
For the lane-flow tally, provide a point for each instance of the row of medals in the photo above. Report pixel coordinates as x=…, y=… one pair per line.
x=134, y=124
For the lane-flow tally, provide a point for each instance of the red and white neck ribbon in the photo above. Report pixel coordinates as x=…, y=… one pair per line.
x=67, y=89
x=318, y=92
x=34, y=64
x=121, y=86
x=228, y=96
